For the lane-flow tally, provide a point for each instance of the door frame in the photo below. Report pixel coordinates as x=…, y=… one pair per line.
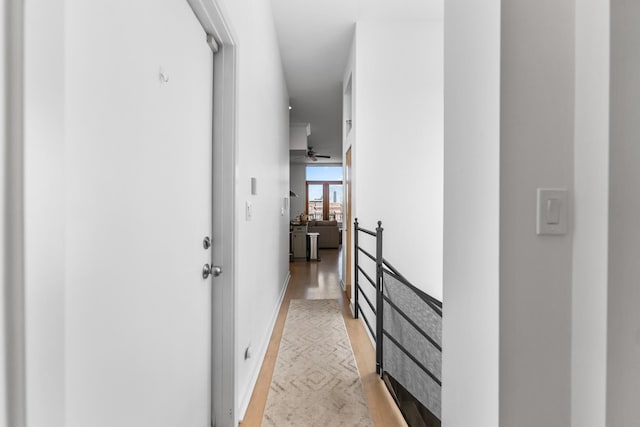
x=12, y=329
x=223, y=382
x=325, y=196
x=12, y=323
x=347, y=224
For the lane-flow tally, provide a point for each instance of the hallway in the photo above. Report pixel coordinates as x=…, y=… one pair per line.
x=310, y=280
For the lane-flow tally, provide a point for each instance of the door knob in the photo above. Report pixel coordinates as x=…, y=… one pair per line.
x=216, y=271
x=211, y=270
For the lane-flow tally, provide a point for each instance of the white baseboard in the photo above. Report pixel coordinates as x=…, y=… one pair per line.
x=244, y=404
x=342, y=285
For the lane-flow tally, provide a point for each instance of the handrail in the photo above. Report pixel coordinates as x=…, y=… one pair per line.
x=371, y=257
x=385, y=267
x=431, y=302
x=377, y=285
x=364, y=230
x=419, y=292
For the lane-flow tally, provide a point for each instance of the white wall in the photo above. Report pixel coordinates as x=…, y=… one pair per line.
x=623, y=364
x=398, y=147
x=45, y=211
x=263, y=152
x=4, y=250
x=590, y=244
x=507, y=324
x=471, y=214
x=298, y=180
x=348, y=141
x=537, y=99
x=11, y=214
x=131, y=291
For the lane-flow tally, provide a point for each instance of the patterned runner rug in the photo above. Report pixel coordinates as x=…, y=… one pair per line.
x=315, y=381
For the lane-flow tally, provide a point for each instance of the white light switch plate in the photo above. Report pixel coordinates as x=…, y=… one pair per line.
x=552, y=211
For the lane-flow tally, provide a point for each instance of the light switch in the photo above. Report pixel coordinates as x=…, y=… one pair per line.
x=552, y=211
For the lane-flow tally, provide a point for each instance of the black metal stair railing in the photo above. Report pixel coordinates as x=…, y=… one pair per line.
x=408, y=334
x=377, y=285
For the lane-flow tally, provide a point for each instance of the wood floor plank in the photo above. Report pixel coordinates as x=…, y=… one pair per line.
x=321, y=280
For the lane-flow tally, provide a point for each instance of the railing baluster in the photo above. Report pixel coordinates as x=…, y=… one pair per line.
x=355, y=254
x=382, y=267
x=379, y=299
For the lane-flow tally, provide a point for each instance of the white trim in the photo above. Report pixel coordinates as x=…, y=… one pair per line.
x=242, y=410
x=12, y=206
x=224, y=372
x=212, y=19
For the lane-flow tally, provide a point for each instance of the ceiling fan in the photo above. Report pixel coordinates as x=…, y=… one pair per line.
x=314, y=156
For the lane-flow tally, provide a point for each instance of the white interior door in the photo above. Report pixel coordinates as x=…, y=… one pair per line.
x=138, y=205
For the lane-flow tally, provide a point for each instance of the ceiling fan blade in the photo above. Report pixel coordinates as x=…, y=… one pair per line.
x=324, y=157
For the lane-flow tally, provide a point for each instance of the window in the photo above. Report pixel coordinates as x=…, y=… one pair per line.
x=324, y=173
x=315, y=200
x=335, y=202
x=324, y=193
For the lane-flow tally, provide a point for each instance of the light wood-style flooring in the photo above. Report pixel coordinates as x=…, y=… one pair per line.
x=321, y=280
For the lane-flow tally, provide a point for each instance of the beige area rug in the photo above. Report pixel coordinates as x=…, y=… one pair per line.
x=315, y=381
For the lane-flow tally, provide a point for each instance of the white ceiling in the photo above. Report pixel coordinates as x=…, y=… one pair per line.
x=315, y=38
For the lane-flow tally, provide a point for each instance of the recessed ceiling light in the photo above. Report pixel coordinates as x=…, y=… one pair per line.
x=290, y=108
